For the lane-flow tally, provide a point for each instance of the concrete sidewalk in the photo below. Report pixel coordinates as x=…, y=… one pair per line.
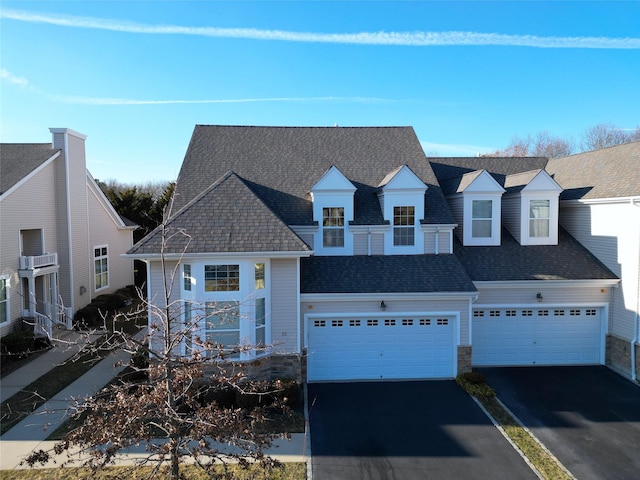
x=65, y=344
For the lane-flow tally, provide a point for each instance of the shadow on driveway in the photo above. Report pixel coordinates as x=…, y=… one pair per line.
x=405, y=430
x=589, y=417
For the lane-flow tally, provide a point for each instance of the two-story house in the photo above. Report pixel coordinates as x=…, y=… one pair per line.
x=600, y=207
x=351, y=256
x=61, y=241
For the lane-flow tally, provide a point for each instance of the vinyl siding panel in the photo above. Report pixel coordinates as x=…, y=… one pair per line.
x=445, y=243
x=284, y=305
x=612, y=233
x=377, y=244
x=157, y=302
x=361, y=244
x=430, y=242
x=30, y=206
x=103, y=231
x=457, y=208
x=394, y=307
x=551, y=295
x=511, y=216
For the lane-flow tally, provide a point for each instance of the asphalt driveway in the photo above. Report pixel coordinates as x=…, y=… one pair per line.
x=589, y=417
x=405, y=430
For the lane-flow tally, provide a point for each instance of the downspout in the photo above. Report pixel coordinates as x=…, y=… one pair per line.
x=634, y=370
x=436, y=245
x=369, y=242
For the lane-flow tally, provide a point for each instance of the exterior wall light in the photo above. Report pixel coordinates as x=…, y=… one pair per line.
x=383, y=306
x=539, y=296
x=83, y=290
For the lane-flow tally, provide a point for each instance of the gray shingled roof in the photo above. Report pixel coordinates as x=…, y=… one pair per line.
x=383, y=274
x=226, y=217
x=605, y=173
x=17, y=160
x=281, y=164
x=568, y=260
x=451, y=170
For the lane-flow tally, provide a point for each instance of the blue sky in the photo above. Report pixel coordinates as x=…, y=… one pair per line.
x=137, y=76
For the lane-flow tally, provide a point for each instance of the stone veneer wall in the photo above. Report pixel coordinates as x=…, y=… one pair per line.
x=618, y=355
x=464, y=358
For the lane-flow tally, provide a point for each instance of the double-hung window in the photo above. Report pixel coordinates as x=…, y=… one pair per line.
x=221, y=278
x=186, y=277
x=481, y=218
x=539, y=218
x=101, y=266
x=261, y=324
x=403, y=225
x=333, y=227
x=259, y=276
x=222, y=327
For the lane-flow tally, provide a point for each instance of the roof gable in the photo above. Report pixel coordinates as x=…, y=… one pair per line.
x=333, y=180
x=19, y=160
x=478, y=182
x=542, y=182
x=402, y=178
x=242, y=223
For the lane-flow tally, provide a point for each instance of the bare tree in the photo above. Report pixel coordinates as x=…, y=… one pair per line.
x=607, y=135
x=191, y=400
x=542, y=145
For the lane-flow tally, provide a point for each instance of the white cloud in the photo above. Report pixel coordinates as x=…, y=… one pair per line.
x=419, y=39
x=9, y=77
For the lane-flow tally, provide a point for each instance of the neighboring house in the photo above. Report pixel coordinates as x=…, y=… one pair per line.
x=353, y=256
x=600, y=207
x=61, y=241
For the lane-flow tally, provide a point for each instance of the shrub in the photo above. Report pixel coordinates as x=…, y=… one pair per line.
x=21, y=344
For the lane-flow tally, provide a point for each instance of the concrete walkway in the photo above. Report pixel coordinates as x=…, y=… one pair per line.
x=31, y=433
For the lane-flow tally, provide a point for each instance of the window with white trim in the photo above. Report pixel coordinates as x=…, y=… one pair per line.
x=221, y=278
x=186, y=277
x=4, y=300
x=261, y=322
x=481, y=218
x=404, y=226
x=333, y=227
x=259, y=276
x=188, y=327
x=222, y=327
x=101, y=266
x=539, y=215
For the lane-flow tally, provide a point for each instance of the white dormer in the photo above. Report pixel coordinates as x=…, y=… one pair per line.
x=333, y=209
x=476, y=205
x=531, y=208
x=401, y=196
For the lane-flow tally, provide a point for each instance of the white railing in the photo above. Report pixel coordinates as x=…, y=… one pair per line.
x=36, y=261
x=42, y=325
x=60, y=315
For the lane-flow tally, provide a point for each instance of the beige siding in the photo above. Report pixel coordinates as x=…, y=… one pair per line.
x=551, y=295
x=103, y=231
x=612, y=233
x=394, y=307
x=37, y=197
x=284, y=304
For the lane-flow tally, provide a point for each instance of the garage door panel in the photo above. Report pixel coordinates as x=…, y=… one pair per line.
x=537, y=336
x=381, y=348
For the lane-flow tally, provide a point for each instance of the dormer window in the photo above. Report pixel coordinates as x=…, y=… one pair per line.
x=481, y=218
x=539, y=217
x=332, y=227
x=404, y=226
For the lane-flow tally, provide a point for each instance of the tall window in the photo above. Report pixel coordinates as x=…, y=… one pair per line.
x=333, y=227
x=261, y=324
x=221, y=278
x=539, y=218
x=481, y=219
x=188, y=327
x=101, y=267
x=4, y=300
x=403, y=225
x=259, y=276
x=186, y=277
x=222, y=326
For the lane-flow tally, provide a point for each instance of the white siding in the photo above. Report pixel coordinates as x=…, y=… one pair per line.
x=612, y=233
x=444, y=242
x=430, y=242
x=377, y=244
x=157, y=301
x=284, y=305
x=361, y=244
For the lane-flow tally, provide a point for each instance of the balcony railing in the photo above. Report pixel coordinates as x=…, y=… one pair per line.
x=38, y=261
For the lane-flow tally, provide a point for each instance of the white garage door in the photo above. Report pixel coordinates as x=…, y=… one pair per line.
x=380, y=348
x=537, y=336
